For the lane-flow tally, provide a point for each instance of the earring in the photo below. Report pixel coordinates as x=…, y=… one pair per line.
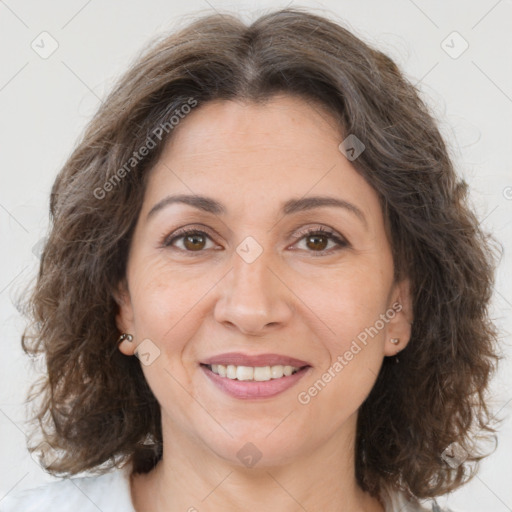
x=124, y=336
x=395, y=341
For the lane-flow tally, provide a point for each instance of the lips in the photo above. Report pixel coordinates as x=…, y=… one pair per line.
x=240, y=359
x=254, y=390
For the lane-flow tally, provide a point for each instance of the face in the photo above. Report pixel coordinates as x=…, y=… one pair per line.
x=264, y=270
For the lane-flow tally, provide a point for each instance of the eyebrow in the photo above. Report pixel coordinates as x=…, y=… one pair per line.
x=210, y=205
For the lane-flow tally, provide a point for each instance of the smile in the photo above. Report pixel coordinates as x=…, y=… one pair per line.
x=247, y=382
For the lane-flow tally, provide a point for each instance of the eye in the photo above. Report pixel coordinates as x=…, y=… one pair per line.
x=190, y=240
x=318, y=239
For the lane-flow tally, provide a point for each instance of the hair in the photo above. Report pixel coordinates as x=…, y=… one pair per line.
x=94, y=408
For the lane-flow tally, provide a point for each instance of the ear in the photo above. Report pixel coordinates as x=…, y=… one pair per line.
x=399, y=325
x=124, y=317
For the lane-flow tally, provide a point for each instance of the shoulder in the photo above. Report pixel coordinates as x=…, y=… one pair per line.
x=396, y=501
x=109, y=492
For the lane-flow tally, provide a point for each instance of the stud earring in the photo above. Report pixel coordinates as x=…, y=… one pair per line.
x=395, y=341
x=124, y=336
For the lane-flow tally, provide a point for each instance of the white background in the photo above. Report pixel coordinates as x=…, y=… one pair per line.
x=45, y=104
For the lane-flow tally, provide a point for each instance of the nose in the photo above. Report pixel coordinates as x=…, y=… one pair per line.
x=253, y=297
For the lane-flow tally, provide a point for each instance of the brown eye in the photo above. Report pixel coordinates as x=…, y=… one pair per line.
x=190, y=240
x=320, y=241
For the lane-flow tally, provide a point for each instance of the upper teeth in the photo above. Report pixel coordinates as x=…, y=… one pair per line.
x=258, y=373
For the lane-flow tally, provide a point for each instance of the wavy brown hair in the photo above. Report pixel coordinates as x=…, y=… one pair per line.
x=93, y=405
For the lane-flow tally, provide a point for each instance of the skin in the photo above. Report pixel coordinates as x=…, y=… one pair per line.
x=290, y=301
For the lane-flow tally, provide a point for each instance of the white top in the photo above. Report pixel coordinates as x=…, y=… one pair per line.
x=111, y=493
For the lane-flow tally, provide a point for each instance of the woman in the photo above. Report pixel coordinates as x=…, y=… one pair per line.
x=268, y=219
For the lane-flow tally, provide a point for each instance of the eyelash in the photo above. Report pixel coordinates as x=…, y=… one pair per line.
x=330, y=234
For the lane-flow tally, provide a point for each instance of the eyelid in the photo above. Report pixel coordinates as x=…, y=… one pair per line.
x=319, y=228
x=312, y=229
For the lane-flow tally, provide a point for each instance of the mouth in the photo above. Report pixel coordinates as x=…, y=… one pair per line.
x=246, y=382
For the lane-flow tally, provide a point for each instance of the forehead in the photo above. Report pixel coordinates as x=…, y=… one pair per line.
x=284, y=124
x=257, y=154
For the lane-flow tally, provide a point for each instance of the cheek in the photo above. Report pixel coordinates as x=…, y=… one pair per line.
x=169, y=301
x=157, y=298
x=166, y=311
x=348, y=300
x=348, y=317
